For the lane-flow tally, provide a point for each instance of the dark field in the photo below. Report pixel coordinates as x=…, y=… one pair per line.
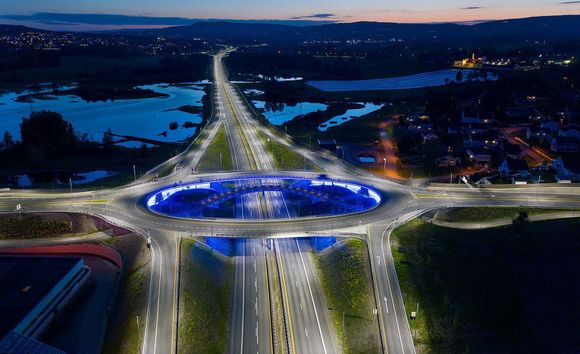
x=501, y=290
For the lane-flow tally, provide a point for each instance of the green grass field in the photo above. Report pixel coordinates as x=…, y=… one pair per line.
x=347, y=284
x=475, y=214
x=490, y=291
x=211, y=158
x=204, y=301
x=285, y=158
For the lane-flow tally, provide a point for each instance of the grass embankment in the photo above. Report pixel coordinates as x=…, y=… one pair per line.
x=477, y=214
x=211, y=158
x=346, y=281
x=123, y=335
x=31, y=226
x=285, y=158
x=42, y=225
x=491, y=291
x=204, y=301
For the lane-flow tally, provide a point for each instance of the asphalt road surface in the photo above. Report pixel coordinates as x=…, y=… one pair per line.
x=124, y=207
x=249, y=153
x=311, y=329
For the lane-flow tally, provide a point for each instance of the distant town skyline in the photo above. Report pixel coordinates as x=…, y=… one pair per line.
x=147, y=13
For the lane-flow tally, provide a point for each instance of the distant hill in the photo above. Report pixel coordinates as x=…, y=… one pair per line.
x=567, y=26
x=549, y=28
x=18, y=29
x=534, y=28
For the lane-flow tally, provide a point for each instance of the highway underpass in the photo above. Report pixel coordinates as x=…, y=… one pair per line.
x=126, y=207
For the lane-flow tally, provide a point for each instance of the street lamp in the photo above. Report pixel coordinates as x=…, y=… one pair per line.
x=384, y=164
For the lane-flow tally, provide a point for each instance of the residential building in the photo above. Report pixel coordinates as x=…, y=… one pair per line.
x=510, y=167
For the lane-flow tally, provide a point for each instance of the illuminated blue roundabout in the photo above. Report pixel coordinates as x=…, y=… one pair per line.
x=259, y=198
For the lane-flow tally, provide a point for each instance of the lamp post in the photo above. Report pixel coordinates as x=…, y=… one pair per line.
x=134, y=173
x=138, y=329
x=384, y=164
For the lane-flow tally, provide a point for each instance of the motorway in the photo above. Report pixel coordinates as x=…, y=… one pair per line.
x=251, y=327
x=249, y=153
x=310, y=326
x=310, y=331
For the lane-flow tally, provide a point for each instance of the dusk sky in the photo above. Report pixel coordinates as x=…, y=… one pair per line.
x=335, y=10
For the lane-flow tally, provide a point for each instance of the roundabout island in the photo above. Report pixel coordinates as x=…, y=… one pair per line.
x=263, y=197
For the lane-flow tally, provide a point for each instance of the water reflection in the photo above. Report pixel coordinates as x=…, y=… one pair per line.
x=145, y=118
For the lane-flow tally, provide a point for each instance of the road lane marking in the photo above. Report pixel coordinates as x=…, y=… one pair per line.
x=268, y=297
x=311, y=297
x=286, y=300
x=390, y=289
x=145, y=336
x=174, y=324
x=243, y=294
x=158, y=300
x=377, y=292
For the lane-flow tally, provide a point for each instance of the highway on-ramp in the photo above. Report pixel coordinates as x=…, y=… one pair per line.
x=311, y=329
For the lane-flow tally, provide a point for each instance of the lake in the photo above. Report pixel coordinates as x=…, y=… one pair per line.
x=279, y=113
x=427, y=79
x=145, y=118
x=350, y=115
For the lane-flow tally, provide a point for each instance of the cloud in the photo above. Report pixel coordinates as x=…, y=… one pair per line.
x=472, y=8
x=98, y=19
x=403, y=11
x=569, y=2
x=315, y=16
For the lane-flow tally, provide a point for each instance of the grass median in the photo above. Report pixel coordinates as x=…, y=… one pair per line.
x=285, y=158
x=346, y=282
x=211, y=160
x=204, y=300
x=495, y=290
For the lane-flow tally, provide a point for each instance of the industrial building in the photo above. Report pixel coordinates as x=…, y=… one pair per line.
x=34, y=289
